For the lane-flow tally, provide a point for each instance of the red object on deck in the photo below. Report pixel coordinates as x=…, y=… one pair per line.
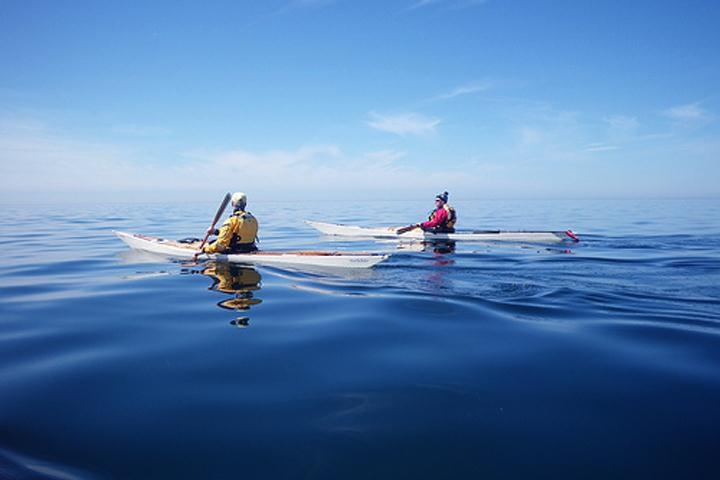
x=572, y=235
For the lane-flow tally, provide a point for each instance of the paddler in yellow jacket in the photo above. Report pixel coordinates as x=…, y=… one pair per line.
x=238, y=233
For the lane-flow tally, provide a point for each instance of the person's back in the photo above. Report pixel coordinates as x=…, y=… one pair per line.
x=239, y=232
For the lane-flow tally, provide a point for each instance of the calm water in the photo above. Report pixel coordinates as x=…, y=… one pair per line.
x=595, y=360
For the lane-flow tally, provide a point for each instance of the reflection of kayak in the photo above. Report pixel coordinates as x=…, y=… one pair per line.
x=185, y=251
x=417, y=234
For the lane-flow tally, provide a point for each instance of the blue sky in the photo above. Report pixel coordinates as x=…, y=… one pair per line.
x=350, y=99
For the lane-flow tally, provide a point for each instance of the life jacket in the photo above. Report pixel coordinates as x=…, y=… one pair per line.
x=245, y=231
x=450, y=221
x=452, y=216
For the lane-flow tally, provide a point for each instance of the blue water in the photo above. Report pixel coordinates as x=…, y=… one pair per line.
x=592, y=360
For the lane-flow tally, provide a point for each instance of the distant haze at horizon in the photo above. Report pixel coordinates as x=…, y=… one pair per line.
x=341, y=100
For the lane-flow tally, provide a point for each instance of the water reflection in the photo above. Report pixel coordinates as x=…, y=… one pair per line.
x=432, y=246
x=439, y=246
x=239, y=282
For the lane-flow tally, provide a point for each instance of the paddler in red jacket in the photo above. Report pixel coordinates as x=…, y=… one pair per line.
x=441, y=220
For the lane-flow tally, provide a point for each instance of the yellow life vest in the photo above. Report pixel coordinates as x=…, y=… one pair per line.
x=237, y=234
x=452, y=216
x=245, y=229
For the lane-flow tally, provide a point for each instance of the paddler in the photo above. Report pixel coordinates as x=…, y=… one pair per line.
x=440, y=220
x=239, y=232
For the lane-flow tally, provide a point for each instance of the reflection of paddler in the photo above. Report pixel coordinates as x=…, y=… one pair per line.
x=239, y=303
x=233, y=279
x=440, y=246
x=229, y=278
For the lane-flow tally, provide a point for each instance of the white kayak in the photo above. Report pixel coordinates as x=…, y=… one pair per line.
x=418, y=234
x=186, y=251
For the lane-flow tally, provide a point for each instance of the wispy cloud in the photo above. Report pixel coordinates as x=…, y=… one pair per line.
x=621, y=129
x=311, y=3
x=464, y=90
x=403, y=123
x=141, y=130
x=269, y=164
x=34, y=159
x=298, y=4
x=599, y=147
x=446, y=3
x=622, y=122
x=295, y=5
x=386, y=155
x=529, y=136
x=425, y=3
x=319, y=171
x=691, y=112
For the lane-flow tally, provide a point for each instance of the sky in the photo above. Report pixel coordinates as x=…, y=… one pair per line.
x=351, y=99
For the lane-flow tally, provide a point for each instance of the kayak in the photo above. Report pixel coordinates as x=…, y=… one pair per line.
x=418, y=234
x=186, y=251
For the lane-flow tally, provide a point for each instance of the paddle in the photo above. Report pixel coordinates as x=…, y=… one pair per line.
x=402, y=230
x=218, y=214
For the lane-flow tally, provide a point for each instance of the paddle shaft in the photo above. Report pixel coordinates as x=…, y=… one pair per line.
x=402, y=230
x=218, y=214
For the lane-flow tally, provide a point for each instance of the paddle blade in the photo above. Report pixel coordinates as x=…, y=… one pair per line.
x=221, y=209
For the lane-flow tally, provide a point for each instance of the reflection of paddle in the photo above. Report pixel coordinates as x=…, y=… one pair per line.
x=402, y=230
x=219, y=213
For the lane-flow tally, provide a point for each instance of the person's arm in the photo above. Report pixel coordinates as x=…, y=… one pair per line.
x=224, y=238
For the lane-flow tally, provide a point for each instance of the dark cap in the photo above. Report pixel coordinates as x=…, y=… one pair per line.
x=442, y=196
